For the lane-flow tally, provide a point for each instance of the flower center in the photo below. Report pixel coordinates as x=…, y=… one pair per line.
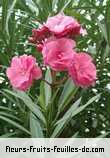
x=22, y=72
x=60, y=55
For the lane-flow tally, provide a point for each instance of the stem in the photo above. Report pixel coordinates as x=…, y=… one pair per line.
x=54, y=84
x=64, y=105
x=53, y=74
x=61, y=81
x=47, y=82
x=50, y=109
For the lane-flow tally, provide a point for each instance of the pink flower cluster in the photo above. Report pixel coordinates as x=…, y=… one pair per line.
x=23, y=71
x=55, y=40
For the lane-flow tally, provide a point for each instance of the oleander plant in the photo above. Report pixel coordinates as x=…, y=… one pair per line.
x=54, y=68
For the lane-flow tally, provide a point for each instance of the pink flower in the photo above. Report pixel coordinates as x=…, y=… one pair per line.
x=38, y=36
x=57, y=53
x=23, y=71
x=62, y=25
x=82, y=70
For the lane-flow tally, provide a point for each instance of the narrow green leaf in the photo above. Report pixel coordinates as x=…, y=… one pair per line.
x=68, y=88
x=103, y=135
x=8, y=135
x=107, y=20
x=5, y=108
x=28, y=102
x=75, y=135
x=103, y=29
x=14, y=124
x=47, y=87
x=66, y=118
x=36, y=130
x=71, y=110
x=60, y=125
x=65, y=5
x=9, y=14
x=4, y=12
x=32, y=6
x=9, y=115
x=67, y=94
x=42, y=95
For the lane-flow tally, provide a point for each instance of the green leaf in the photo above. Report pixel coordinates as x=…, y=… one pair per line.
x=42, y=95
x=5, y=108
x=36, y=130
x=67, y=116
x=48, y=91
x=103, y=29
x=28, y=102
x=65, y=5
x=71, y=111
x=103, y=135
x=4, y=12
x=91, y=50
x=67, y=94
x=8, y=135
x=9, y=115
x=107, y=52
x=9, y=14
x=32, y=6
x=7, y=96
x=107, y=20
x=14, y=124
x=60, y=125
x=75, y=135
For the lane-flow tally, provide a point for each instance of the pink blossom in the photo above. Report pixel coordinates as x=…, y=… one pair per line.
x=57, y=53
x=82, y=70
x=62, y=25
x=23, y=71
x=38, y=36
